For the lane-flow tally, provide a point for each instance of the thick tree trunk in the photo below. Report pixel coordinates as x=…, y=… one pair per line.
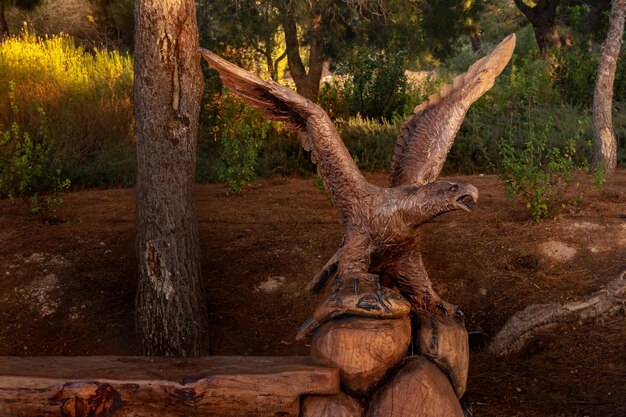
x=605, y=156
x=543, y=19
x=171, y=313
x=307, y=84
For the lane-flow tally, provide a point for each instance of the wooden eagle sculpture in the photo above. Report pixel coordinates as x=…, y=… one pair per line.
x=381, y=223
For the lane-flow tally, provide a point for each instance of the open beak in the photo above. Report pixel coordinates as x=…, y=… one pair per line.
x=467, y=200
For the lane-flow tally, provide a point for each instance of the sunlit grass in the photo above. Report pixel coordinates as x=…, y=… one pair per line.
x=86, y=95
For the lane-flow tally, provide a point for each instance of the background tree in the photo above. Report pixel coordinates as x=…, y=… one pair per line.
x=605, y=156
x=22, y=4
x=542, y=16
x=171, y=313
x=312, y=31
x=245, y=31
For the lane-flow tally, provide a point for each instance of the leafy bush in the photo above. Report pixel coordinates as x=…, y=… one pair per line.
x=373, y=85
x=86, y=96
x=242, y=135
x=523, y=98
x=576, y=70
x=28, y=168
x=545, y=179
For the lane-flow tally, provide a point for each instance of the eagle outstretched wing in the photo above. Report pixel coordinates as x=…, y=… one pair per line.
x=427, y=135
x=318, y=134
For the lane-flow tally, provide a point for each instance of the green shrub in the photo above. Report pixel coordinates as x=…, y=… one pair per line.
x=544, y=178
x=576, y=70
x=86, y=96
x=370, y=142
x=372, y=85
x=28, y=167
x=523, y=98
x=242, y=134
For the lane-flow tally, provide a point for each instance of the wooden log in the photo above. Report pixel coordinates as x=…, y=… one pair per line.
x=524, y=325
x=148, y=386
x=419, y=388
x=446, y=343
x=340, y=405
x=363, y=349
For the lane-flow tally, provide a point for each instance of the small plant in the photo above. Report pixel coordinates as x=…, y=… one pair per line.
x=242, y=136
x=543, y=177
x=27, y=167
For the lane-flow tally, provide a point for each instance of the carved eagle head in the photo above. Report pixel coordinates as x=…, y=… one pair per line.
x=421, y=203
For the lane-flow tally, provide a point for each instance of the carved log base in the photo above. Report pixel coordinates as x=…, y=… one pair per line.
x=373, y=367
x=419, y=388
x=363, y=349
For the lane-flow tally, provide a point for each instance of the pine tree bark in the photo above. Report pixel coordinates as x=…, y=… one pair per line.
x=543, y=19
x=605, y=155
x=171, y=313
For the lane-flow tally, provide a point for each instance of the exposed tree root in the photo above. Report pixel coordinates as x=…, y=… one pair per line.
x=527, y=323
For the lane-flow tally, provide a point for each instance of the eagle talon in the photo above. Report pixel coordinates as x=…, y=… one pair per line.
x=373, y=301
x=443, y=309
x=459, y=316
x=382, y=300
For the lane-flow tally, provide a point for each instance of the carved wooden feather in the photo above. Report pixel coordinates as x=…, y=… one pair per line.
x=381, y=224
x=427, y=135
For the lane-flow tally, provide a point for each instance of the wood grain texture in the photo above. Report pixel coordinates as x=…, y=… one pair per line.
x=605, y=155
x=526, y=324
x=446, y=343
x=380, y=223
x=363, y=349
x=340, y=405
x=418, y=389
x=141, y=386
x=427, y=135
x=171, y=311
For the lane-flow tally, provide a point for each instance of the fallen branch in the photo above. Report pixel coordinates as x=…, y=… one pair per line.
x=527, y=323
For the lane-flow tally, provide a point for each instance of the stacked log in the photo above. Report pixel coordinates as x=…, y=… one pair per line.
x=381, y=378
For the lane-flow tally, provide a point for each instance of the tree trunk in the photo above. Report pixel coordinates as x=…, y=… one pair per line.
x=605, y=156
x=543, y=19
x=4, y=26
x=307, y=84
x=171, y=313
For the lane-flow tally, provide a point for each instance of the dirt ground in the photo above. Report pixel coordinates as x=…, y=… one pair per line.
x=69, y=289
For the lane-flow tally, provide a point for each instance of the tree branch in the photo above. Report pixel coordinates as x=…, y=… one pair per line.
x=524, y=325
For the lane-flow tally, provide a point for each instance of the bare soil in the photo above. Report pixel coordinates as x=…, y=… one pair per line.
x=69, y=289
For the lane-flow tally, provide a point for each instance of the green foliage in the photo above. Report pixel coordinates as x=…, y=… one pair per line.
x=523, y=98
x=545, y=179
x=370, y=142
x=86, y=96
x=373, y=85
x=242, y=135
x=28, y=168
x=576, y=69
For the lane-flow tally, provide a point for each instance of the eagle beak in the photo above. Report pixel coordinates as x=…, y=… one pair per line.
x=467, y=200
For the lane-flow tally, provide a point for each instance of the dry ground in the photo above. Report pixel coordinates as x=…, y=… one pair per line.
x=69, y=289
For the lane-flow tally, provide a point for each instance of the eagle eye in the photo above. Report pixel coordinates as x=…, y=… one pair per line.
x=454, y=188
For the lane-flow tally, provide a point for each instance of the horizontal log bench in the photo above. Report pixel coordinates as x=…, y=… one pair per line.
x=114, y=386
